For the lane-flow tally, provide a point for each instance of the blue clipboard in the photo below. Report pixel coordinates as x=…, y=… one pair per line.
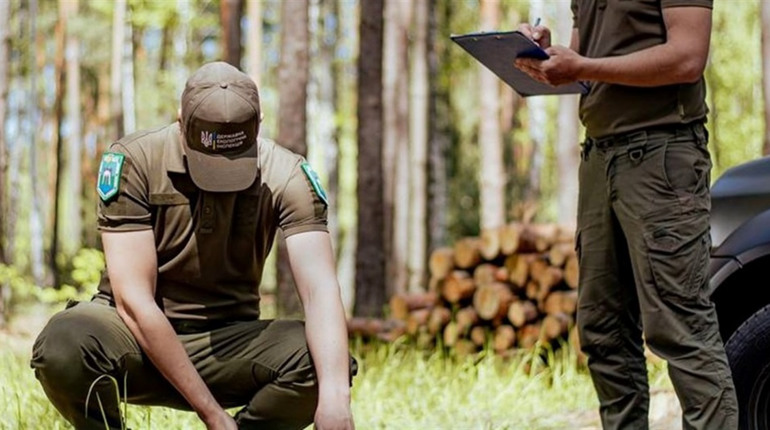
x=497, y=50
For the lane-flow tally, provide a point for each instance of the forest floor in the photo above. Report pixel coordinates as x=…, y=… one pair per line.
x=665, y=413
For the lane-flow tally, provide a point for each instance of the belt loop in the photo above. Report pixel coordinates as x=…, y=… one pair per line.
x=586, y=149
x=636, y=152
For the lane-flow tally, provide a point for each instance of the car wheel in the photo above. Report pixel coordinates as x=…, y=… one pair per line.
x=748, y=351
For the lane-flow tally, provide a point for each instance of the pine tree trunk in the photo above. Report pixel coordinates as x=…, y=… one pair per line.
x=537, y=126
x=439, y=141
x=765, y=26
x=492, y=178
x=418, y=147
x=5, y=41
x=73, y=187
x=58, y=111
x=116, y=69
x=370, y=255
x=5, y=51
x=567, y=147
x=230, y=12
x=36, y=229
x=395, y=158
x=293, y=80
x=254, y=39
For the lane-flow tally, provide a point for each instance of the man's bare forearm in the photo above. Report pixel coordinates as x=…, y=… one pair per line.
x=158, y=340
x=327, y=339
x=652, y=67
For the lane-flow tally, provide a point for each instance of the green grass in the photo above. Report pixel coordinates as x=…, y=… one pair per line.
x=397, y=388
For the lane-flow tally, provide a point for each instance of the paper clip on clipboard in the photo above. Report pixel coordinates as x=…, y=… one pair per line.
x=497, y=51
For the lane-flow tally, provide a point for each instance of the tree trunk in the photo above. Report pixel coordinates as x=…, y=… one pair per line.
x=292, y=122
x=36, y=228
x=230, y=12
x=58, y=111
x=537, y=126
x=395, y=154
x=418, y=147
x=116, y=69
x=5, y=50
x=129, y=89
x=765, y=26
x=439, y=141
x=73, y=227
x=567, y=152
x=254, y=39
x=322, y=98
x=492, y=198
x=370, y=255
x=5, y=58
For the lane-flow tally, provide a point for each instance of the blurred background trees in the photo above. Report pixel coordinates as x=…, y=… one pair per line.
x=416, y=144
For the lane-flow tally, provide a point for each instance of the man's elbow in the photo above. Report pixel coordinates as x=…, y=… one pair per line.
x=690, y=70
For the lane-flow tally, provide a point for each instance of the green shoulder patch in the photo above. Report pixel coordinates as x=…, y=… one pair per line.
x=109, y=175
x=316, y=181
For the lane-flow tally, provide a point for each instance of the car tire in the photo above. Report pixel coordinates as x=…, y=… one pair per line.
x=748, y=351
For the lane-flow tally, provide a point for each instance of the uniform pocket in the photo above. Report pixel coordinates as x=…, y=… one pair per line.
x=686, y=167
x=678, y=252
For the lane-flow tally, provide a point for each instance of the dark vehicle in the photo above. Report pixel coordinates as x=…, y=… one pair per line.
x=740, y=283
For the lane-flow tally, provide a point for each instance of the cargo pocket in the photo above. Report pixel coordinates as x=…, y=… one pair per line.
x=678, y=258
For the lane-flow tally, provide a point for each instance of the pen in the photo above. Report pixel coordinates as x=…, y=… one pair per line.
x=537, y=21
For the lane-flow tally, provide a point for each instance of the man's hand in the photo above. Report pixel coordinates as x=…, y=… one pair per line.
x=563, y=66
x=220, y=421
x=336, y=416
x=540, y=34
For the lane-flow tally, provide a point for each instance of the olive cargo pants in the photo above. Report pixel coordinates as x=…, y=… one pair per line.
x=262, y=364
x=643, y=243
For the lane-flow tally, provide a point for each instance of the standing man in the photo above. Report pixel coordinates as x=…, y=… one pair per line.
x=643, y=211
x=187, y=217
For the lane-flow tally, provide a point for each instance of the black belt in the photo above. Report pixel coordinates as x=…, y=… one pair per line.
x=623, y=139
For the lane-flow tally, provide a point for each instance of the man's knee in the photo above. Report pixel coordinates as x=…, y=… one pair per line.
x=73, y=343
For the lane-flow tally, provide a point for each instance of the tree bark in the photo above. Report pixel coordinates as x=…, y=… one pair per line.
x=440, y=131
x=765, y=26
x=567, y=152
x=418, y=147
x=537, y=126
x=293, y=80
x=73, y=187
x=254, y=40
x=58, y=111
x=5, y=58
x=230, y=12
x=395, y=154
x=116, y=69
x=370, y=255
x=492, y=178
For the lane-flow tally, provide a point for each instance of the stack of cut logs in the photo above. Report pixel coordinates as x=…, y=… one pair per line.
x=508, y=288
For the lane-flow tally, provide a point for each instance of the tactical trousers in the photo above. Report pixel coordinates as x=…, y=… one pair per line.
x=262, y=364
x=643, y=243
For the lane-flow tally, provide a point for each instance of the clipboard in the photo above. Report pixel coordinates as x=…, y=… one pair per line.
x=497, y=51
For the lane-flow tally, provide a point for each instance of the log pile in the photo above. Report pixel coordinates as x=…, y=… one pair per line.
x=508, y=288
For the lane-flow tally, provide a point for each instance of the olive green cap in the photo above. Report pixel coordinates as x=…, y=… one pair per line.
x=220, y=122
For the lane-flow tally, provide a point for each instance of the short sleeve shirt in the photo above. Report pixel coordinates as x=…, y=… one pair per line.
x=211, y=247
x=609, y=28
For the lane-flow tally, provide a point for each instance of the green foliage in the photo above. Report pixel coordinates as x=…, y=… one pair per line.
x=84, y=274
x=396, y=388
x=734, y=79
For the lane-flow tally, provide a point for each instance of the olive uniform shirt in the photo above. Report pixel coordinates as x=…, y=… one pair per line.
x=211, y=247
x=609, y=28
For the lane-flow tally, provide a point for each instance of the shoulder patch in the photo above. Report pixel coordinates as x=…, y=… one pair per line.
x=108, y=180
x=316, y=182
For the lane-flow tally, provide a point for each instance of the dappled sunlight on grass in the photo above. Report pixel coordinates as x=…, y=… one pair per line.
x=397, y=387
